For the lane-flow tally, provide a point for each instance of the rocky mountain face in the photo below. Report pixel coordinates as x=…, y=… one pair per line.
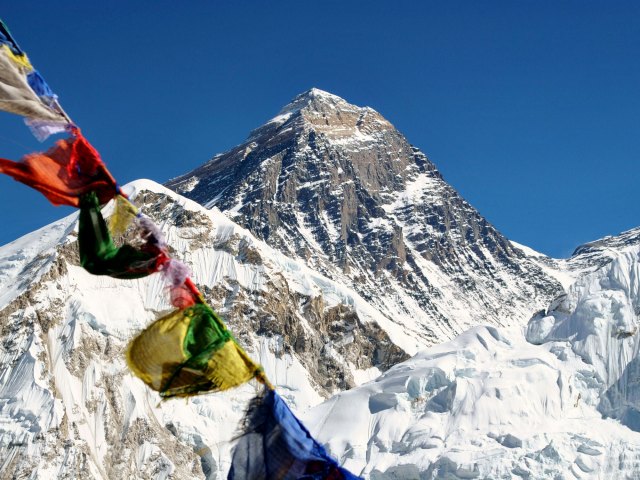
x=69, y=406
x=338, y=187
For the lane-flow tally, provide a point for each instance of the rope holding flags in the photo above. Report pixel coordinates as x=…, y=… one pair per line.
x=190, y=351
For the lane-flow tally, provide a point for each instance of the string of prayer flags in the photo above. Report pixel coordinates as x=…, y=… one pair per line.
x=188, y=352
x=24, y=91
x=276, y=445
x=100, y=256
x=65, y=172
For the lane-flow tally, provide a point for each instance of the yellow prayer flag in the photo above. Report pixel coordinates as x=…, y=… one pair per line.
x=188, y=352
x=124, y=212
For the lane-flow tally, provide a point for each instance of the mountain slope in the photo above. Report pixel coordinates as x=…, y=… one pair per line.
x=69, y=406
x=338, y=187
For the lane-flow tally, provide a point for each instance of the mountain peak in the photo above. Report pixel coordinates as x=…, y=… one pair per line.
x=338, y=187
x=318, y=93
x=327, y=113
x=312, y=100
x=317, y=97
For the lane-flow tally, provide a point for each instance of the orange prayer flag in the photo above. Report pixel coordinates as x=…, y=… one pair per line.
x=65, y=172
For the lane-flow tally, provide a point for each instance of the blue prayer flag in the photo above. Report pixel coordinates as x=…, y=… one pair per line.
x=275, y=445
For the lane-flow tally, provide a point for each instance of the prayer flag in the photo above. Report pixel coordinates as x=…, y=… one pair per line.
x=17, y=96
x=276, y=446
x=124, y=212
x=25, y=92
x=188, y=352
x=100, y=256
x=65, y=172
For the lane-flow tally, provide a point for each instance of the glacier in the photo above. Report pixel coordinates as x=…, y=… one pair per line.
x=557, y=398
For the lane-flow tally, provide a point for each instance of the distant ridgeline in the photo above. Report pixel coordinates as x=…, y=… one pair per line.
x=187, y=352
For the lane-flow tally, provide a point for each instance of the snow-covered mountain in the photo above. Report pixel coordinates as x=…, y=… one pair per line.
x=338, y=187
x=559, y=399
x=69, y=406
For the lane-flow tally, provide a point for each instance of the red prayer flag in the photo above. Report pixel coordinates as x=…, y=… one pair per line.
x=65, y=172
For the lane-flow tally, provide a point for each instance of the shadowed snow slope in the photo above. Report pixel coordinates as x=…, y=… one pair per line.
x=491, y=404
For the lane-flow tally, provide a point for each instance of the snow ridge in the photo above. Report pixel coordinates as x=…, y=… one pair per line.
x=69, y=406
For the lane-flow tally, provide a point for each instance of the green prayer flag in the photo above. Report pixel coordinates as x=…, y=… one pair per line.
x=98, y=253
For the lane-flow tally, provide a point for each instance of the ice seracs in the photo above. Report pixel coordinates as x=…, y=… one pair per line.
x=557, y=400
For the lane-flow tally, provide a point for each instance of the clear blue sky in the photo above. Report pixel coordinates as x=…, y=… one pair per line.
x=530, y=109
